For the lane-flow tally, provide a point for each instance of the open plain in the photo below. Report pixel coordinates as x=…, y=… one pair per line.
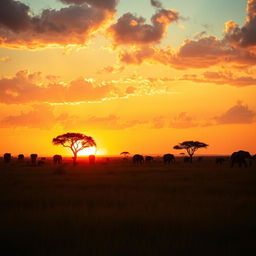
x=117, y=208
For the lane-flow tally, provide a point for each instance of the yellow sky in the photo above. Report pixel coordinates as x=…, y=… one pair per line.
x=123, y=82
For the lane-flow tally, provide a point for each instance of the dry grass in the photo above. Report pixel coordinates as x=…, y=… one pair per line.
x=116, y=208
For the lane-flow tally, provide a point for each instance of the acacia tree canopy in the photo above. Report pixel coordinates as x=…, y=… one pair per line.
x=75, y=141
x=191, y=147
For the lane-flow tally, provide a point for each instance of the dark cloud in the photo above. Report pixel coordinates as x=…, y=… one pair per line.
x=104, y=4
x=245, y=36
x=14, y=15
x=202, y=53
x=131, y=29
x=238, y=114
x=73, y=24
x=156, y=3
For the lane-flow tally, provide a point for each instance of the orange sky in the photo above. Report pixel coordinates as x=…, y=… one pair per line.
x=134, y=82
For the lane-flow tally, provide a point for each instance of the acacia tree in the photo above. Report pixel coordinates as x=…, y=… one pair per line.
x=75, y=141
x=125, y=154
x=191, y=147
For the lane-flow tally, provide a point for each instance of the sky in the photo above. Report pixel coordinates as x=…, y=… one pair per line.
x=137, y=76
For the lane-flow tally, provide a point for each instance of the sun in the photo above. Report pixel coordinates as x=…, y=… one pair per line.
x=88, y=151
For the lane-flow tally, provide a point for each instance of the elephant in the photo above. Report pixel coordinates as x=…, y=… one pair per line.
x=168, y=158
x=149, y=159
x=91, y=159
x=138, y=159
x=220, y=160
x=33, y=158
x=21, y=157
x=57, y=159
x=240, y=158
x=7, y=158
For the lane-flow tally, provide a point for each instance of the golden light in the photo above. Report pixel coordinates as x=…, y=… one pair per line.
x=88, y=151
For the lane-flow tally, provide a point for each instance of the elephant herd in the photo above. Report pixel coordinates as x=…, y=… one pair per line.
x=240, y=158
x=57, y=159
x=139, y=159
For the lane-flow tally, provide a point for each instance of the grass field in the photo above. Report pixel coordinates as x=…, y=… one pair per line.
x=116, y=208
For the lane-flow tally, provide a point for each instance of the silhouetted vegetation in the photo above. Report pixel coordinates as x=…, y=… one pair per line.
x=75, y=141
x=191, y=147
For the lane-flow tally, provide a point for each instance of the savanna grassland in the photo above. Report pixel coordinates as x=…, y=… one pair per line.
x=116, y=208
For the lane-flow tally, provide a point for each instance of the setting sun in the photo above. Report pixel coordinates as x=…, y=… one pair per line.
x=88, y=151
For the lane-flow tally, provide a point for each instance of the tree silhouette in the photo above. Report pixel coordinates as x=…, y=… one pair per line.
x=191, y=147
x=75, y=141
x=125, y=154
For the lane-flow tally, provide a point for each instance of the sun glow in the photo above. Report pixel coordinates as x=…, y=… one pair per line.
x=88, y=151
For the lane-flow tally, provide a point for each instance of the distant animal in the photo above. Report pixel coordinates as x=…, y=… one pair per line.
x=138, y=159
x=21, y=157
x=57, y=159
x=186, y=159
x=33, y=158
x=7, y=157
x=149, y=159
x=91, y=159
x=240, y=158
x=168, y=158
x=220, y=160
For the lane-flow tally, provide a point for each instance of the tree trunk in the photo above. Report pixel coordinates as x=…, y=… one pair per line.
x=191, y=157
x=74, y=159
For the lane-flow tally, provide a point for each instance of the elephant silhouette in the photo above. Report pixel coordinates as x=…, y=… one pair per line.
x=91, y=159
x=168, y=158
x=149, y=159
x=240, y=158
x=7, y=157
x=21, y=157
x=57, y=159
x=33, y=158
x=138, y=159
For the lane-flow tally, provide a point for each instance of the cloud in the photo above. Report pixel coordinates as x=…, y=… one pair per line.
x=5, y=59
x=156, y=4
x=25, y=88
x=41, y=116
x=237, y=48
x=137, y=56
x=238, y=114
x=103, y=4
x=131, y=29
x=182, y=121
x=70, y=25
x=202, y=53
x=221, y=78
x=245, y=36
x=112, y=69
